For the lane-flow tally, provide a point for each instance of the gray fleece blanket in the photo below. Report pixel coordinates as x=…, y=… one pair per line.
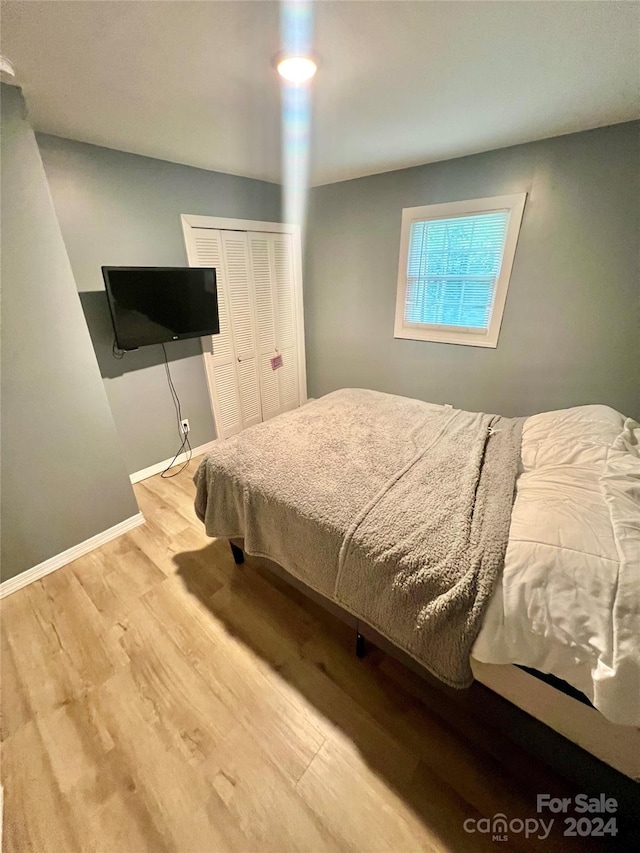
x=397, y=510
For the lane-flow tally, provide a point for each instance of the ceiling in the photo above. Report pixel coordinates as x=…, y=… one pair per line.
x=400, y=83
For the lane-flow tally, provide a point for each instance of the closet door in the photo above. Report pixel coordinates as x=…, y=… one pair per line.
x=260, y=306
x=230, y=357
x=273, y=284
x=288, y=380
x=237, y=275
x=262, y=274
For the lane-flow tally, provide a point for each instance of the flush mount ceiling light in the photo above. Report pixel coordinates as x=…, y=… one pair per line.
x=296, y=69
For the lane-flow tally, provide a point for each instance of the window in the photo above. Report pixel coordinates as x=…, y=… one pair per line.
x=455, y=265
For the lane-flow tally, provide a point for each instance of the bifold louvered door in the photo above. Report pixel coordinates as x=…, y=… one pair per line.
x=231, y=364
x=257, y=306
x=274, y=287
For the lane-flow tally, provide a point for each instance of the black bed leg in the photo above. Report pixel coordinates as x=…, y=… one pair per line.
x=361, y=645
x=238, y=554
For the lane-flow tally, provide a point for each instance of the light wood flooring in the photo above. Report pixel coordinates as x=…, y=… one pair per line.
x=158, y=698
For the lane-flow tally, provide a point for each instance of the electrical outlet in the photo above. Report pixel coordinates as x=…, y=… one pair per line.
x=184, y=425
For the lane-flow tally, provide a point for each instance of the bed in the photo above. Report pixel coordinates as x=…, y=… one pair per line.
x=469, y=541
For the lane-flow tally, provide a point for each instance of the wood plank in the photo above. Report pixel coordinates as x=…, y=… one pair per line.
x=37, y=817
x=254, y=693
x=44, y=667
x=112, y=813
x=169, y=498
x=364, y=811
x=174, y=801
x=261, y=800
x=14, y=708
x=74, y=740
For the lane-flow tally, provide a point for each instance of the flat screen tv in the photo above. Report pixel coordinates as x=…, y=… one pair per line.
x=153, y=305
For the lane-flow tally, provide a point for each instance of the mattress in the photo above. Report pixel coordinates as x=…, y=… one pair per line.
x=568, y=600
x=395, y=509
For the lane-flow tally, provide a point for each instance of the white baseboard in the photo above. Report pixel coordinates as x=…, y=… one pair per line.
x=68, y=556
x=152, y=470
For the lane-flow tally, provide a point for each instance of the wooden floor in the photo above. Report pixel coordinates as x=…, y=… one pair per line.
x=158, y=698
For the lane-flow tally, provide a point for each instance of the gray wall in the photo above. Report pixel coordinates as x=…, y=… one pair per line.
x=571, y=328
x=118, y=209
x=63, y=475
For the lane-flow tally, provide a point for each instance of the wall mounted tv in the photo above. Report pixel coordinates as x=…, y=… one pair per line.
x=153, y=305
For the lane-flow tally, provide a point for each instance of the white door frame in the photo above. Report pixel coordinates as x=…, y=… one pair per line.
x=190, y=221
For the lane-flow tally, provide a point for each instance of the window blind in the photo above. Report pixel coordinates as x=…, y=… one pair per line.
x=453, y=267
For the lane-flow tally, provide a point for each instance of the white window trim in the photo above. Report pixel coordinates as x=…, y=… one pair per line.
x=515, y=205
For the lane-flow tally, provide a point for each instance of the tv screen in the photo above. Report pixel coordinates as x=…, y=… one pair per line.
x=153, y=305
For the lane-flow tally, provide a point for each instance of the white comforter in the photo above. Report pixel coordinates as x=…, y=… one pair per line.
x=569, y=599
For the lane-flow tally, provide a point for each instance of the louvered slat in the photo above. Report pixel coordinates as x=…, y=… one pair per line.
x=288, y=380
x=238, y=285
x=236, y=260
x=263, y=291
x=269, y=388
x=283, y=263
x=220, y=362
x=263, y=276
x=228, y=402
x=208, y=245
x=249, y=392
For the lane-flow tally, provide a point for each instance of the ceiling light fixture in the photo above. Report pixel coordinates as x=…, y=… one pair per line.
x=7, y=73
x=296, y=69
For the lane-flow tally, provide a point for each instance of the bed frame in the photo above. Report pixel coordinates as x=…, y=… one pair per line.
x=543, y=715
